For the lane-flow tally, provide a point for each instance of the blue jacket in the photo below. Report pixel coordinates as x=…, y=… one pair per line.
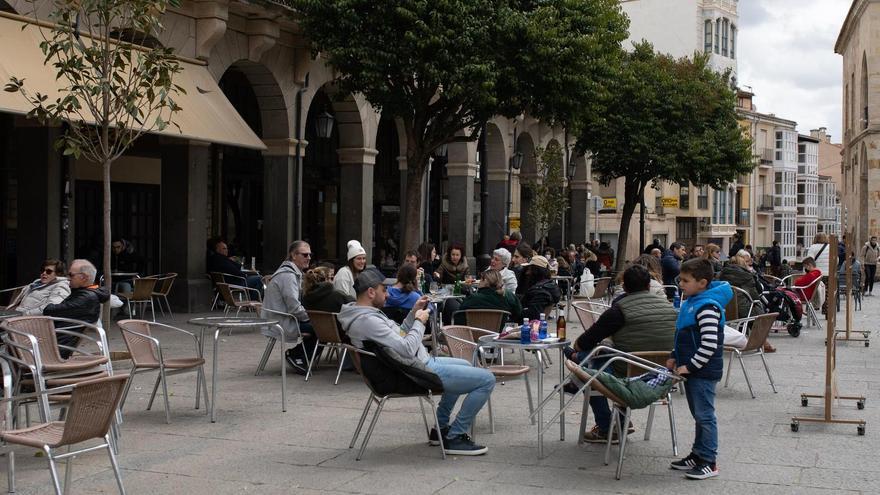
x=398, y=299
x=671, y=266
x=687, y=333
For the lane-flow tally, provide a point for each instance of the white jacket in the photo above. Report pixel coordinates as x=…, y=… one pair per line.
x=344, y=282
x=35, y=297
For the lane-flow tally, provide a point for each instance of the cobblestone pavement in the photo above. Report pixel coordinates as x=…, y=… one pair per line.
x=255, y=448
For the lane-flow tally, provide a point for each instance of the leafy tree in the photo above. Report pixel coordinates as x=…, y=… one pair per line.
x=666, y=120
x=114, y=82
x=443, y=67
x=549, y=196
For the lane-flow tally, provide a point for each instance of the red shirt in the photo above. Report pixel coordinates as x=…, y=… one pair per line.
x=807, y=279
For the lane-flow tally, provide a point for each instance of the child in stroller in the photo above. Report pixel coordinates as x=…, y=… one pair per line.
x=777, y=298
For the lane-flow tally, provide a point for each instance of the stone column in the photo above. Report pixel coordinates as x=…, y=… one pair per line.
x=461, y=203
x=579, y=211
x=528, y=227
x=356, y=197
x=185, y=167
x=39, y=174
x=279, y=190
x=497, y=206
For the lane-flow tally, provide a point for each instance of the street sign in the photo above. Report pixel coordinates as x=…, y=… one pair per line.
x=514, y=223
x=609, y=203
x=669, y=202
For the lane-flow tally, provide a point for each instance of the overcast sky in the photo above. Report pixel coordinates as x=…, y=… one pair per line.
x=786, y=54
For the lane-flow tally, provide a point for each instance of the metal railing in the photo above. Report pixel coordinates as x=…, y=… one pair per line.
x=765, y=202
x=767, y=155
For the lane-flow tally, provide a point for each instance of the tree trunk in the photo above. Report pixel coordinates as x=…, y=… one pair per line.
x=412, y=204
x=630, y=200
x=108, y=278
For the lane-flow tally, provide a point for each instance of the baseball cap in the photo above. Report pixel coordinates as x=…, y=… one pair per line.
x=371, y=277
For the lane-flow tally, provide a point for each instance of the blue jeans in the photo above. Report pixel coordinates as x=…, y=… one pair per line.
x=700, y=395
x=459, y=377
x=599, y=404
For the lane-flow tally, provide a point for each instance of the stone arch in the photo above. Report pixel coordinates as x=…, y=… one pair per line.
x=272, y=107
x=525, y=144
x=497, y=185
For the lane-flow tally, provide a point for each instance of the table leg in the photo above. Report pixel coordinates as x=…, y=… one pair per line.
x=561, y=395
x=214, y=376
x=201, y=349
x=541, y=409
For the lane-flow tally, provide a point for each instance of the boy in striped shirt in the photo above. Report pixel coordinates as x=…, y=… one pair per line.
x=698, y=356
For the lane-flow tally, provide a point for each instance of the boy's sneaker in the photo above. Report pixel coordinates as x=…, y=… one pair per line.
x=462, y=445
x=297, y=365
x=686, y=464
x=434, y=438
x=596, y=435
x=702, y=471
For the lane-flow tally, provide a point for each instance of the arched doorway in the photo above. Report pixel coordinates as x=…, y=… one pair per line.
x=321, y=177
x=526, y=145
x=386, y=198
x=495, y=187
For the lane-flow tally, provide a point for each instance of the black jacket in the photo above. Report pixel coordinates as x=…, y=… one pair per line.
x=774, y=256
x=323, y=297
x=83, y=304
x=735, y=248
x=218, y=263
x=538, y=297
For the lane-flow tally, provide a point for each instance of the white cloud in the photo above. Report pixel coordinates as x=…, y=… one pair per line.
x=786, y=54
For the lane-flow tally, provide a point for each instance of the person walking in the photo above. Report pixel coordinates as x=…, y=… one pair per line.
x=870, y=254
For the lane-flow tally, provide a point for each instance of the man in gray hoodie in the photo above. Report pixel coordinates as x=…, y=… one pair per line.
x=283, y=295
x=363, y=321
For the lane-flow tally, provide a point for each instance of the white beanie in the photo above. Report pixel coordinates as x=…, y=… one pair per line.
x=355, y=249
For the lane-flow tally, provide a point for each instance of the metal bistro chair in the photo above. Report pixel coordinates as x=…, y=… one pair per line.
x=462, y=341
x=141, y=295
x=90, y=415
x=620, y=407
x=227, y=293
x=601, y=288
x=7, y=422
x=32, y=345
x=13, y=292
x=659, y=358
x=586, y=314
x=327, y=332
x=760, y=329
x=364, y=361
x=162, y=289
x=146, y=355
x=808, y=304
x=278, y=333
x=491, y=320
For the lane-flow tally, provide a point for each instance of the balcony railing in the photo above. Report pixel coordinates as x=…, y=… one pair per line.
x=765, y=202
x=767, y=156
x=744, y=219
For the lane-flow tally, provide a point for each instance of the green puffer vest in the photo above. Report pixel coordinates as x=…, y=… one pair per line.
x=648, y=325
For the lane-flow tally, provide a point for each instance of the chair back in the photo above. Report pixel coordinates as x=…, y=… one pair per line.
x=601, y=286
x=92, y=409
x=656, y=357
x=731, y=311
x=226, y=294
x=164, y=283
x=759, y=331
x=487, y=319
x=325, y=326
x=143, y=350
x=460, y=341
x=6, y=409
x=216, y=278
x=143, y=289
x=585, y=313
x=41, y=328
x=14, y=294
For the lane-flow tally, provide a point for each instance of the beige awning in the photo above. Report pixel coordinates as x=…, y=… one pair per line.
x=206, y=114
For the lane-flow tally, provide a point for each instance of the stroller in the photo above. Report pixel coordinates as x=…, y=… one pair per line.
x=777, y=298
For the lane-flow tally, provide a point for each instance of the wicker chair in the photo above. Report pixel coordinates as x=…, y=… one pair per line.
x=327, y=333
x=487, y=319
x=32, y=345
x=760, y=329
x=380, y=399
x=90, y=415
x=141, y=296
x=585, y=313
x=164, y=283
x=227, y=293
x=602, y=286
x=462, y=342
x=13, y=292
x=146, y=355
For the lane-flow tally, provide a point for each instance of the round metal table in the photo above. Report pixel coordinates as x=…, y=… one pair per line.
x=547, y=344
x=217, y=323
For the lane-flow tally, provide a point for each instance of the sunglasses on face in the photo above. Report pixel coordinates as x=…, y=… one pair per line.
x=305, y=255
x=48, y=271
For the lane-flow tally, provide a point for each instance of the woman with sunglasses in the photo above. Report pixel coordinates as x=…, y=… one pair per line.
x=51, y=288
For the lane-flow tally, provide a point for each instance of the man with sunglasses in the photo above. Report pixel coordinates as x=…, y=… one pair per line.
x=83, y=303
x=283, y=294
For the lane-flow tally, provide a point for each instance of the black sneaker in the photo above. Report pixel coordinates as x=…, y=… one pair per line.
x=702, y=471
x=298, y=366
x=686, y=464
x=434, y=438
x=570, y=388
x=462, y=445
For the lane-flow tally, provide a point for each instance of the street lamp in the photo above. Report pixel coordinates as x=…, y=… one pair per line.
x=324, y=125
x=572, y=169
x=516, y=161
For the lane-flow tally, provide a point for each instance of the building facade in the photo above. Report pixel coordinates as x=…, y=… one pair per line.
x=857, y=44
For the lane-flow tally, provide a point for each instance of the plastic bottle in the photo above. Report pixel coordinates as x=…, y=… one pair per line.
x=560, y=327
x=525, y=332
x=542, y=329
x=676, y=300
